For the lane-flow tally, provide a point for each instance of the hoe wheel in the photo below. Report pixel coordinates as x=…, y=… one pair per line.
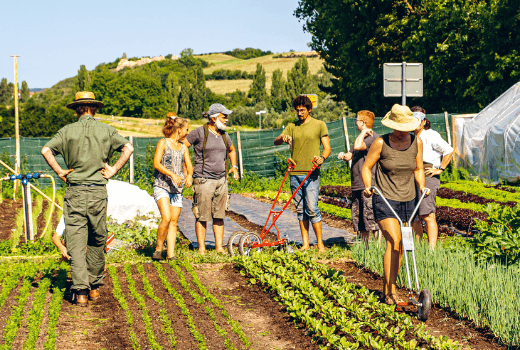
x=233, y=243
x=425, y=298
x=246, y=241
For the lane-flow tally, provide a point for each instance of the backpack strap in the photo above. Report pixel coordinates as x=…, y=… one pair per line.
x=206, y=133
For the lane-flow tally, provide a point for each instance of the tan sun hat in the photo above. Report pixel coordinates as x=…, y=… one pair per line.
x=84, y=98
x=400, y=118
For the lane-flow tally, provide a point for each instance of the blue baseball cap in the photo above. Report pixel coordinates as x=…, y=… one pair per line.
x=218, y=108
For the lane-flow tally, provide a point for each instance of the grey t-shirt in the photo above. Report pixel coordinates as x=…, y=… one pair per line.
x=215, y=154
x=358, y=159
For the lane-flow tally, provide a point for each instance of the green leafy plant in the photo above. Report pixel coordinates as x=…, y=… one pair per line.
x=499, y=236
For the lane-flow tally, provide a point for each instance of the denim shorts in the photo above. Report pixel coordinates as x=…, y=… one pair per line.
x=306, y=200
x=175, y=198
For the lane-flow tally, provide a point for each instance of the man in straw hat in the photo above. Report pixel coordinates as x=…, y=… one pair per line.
x=86, y=147
x=399, y=160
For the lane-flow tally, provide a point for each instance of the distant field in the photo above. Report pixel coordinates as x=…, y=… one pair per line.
x=140, y=127
x=270, y=64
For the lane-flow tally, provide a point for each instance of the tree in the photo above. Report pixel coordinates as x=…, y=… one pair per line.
x=82, y=78
x=187, y=58
x=172, y=91
x=198, y=93
x=277, y=90
x=298, y=80
x=135, y=94
x=257, y=91
x=184, y=95
x=469, y=48
x=5, y=93
x=24, y=92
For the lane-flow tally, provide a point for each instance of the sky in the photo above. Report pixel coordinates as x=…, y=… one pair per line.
x=54, y=37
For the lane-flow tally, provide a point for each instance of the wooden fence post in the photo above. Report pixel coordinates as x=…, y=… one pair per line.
x=131, y=139
x=347, y=140
x=239, y=144
x=446, y=121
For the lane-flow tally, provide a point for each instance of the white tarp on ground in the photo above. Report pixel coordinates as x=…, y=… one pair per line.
x=125, y=202
x=491, y=149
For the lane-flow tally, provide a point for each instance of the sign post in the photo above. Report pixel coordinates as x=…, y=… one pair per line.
x=259, y=114
x=403, y=79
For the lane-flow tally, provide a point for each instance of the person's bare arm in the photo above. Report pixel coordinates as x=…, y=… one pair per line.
x=345, y=156
x=372, y=157
x=51, y=160
x=419, y=167
x=359, y=143
x=233, y=159
x=109, y=171
x=56, y=239
x=281, y=139
x=188, y=168
x=325, y=142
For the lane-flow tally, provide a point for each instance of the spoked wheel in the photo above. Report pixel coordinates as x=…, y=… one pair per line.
x=246, y=242
x=425, y=298
x=233, y=242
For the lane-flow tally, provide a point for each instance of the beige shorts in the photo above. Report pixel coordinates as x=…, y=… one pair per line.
x=209, y=198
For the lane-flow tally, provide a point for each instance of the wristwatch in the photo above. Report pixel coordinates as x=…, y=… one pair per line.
x=441, y=168
x=234, y=166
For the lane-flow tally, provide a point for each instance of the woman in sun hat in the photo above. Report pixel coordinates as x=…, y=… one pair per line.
x=399, y=165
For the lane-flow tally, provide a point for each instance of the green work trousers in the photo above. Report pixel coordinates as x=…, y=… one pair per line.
x=85, y=211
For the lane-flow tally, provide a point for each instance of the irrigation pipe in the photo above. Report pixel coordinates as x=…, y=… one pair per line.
x=32, y=186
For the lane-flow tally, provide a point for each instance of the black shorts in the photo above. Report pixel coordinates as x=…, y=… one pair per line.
x=403, y=209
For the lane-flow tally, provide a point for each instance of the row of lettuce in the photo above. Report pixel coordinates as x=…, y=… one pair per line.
x=337, y=313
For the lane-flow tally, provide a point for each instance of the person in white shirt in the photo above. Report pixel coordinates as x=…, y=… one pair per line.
x=437, y=154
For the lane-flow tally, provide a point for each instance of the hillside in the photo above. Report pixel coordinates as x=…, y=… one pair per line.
x=269, y=62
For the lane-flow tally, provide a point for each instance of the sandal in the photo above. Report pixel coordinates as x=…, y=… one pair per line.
x=170, y=258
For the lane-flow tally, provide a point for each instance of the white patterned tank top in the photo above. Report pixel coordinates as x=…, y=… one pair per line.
x=174, y=161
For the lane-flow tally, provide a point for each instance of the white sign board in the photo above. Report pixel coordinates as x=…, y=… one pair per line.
x=396, y=81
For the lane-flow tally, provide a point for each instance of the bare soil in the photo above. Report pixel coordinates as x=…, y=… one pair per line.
x=8, y=210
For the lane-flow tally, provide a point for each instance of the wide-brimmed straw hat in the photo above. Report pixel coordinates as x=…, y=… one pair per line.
x=400, y=118
x=85, y=98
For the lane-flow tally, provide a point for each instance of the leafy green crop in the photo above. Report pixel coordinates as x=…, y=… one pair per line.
x=500, y=234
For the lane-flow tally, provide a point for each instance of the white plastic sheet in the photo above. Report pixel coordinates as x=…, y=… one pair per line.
x=491, y=149
x=125, y=202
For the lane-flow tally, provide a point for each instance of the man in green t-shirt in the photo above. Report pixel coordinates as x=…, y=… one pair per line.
x=306, y=136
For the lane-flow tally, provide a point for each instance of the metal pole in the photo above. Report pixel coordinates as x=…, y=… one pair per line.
x=403, y=84
x=240, y=164
x=347, y=140
x=16, y=123
x=131, y=161
x=446, y=121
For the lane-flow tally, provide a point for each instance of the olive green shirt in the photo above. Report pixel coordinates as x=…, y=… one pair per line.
x=85, y=146
x=306, y=143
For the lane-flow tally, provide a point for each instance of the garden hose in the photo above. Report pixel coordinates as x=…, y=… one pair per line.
x=52, y=203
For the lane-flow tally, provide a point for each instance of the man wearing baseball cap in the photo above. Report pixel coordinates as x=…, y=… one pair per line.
x=212, y=145
x=86, y=147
